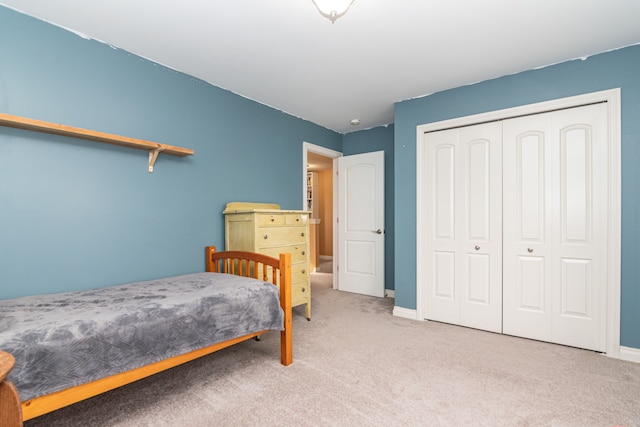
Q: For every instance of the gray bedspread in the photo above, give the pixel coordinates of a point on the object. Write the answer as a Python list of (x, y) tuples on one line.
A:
[(67, 339)]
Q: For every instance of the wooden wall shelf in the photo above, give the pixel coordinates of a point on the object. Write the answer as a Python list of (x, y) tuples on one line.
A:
[(154, 148)]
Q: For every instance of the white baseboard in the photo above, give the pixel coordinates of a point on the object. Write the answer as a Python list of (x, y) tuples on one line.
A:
[(389, 293), (630, 354), (405, 313)]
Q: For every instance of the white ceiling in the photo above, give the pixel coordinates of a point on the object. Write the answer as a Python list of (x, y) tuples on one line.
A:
[(284, 54)]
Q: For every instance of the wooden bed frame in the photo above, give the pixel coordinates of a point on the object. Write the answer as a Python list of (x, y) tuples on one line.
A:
[(246, 264), (10, 413)]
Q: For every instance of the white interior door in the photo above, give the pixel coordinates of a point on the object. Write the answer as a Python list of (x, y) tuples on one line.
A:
[(464, 226), (555, 218), (360, 223)]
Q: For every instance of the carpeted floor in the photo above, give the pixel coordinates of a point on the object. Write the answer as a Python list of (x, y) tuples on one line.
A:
[(357, 365)]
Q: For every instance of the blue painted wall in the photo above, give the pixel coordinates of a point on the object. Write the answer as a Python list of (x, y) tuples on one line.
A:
[(79, 214), (620, 68), (367, 141)]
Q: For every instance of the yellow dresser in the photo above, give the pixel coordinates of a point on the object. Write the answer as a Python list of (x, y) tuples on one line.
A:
[(266, 229)]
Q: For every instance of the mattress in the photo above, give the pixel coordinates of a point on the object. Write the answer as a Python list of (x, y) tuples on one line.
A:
[(67, 339)]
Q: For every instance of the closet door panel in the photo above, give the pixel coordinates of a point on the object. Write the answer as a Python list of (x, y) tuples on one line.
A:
[(478, 279), (444, 189), (444, 275), (581, 240), (480, 217), (478, 194), (530, 188), (555, 211), (442, 296), (478, 224), (531, 290), (576, 299), (576, 170), (463, 245), (526, 190)]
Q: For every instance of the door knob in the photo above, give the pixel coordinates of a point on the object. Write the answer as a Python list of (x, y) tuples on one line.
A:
[(378, 231)]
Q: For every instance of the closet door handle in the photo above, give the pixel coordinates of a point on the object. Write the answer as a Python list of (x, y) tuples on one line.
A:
[(477, 248), (378, 231), (529, 250)]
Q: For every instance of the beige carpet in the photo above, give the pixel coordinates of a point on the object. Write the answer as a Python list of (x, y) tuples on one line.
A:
[(357, 365)]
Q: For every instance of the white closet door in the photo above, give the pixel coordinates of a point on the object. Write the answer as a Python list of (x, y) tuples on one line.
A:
[(555, 215), (464, 226), (527, 226), (442, 295)]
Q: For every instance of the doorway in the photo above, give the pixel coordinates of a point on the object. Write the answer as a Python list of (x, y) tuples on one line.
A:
[(319, 198), (356, 185), (611, 101), (516, 238)]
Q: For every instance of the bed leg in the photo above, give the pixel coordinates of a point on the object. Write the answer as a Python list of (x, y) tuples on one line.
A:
[(286, 351), (10, 408)]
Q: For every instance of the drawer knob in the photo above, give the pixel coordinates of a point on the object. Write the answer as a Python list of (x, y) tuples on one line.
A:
[(303, 289), (272, 219), (302, 234), (304, 271), (302, 252), (266, 236)]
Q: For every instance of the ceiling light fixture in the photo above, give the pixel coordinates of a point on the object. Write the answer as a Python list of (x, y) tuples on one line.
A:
[(333, 9)]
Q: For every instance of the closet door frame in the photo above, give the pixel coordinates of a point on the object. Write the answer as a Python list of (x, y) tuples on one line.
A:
[(612, 98)]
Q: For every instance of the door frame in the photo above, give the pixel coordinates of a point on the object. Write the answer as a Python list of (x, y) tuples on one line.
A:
[(612, 98), (327, 152)]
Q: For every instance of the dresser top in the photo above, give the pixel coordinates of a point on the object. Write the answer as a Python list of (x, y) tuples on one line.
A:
[(248, 207)]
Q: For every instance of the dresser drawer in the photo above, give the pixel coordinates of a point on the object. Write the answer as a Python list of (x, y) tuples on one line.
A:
[(276, 220), (265, 220), (300, 272), (298, 252), (300, 293), (275, 236), (296, 219)]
